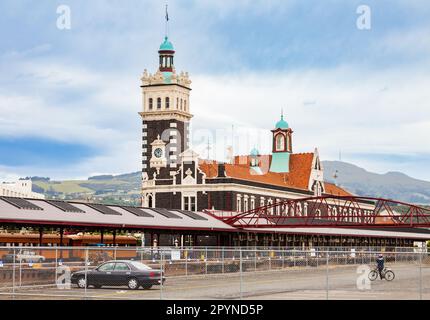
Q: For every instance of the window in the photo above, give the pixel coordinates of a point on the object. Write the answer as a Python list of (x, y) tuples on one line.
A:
[(167, 102), (193, 203), (158, 103), (140, 265), (107, 267), (181, 104), (245, 204), (280, 142), (239, 203), (150, 104), (185, 105), (120, 266), (190, 203), (177, 103), (269, 203)]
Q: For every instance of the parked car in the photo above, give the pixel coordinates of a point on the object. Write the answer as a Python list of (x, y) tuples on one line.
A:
[(133, 274), (25, 256)]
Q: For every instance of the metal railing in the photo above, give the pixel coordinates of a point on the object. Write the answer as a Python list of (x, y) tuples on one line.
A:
[(210, 273)]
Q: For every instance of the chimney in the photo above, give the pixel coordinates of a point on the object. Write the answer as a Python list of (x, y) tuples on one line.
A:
[(221, 170)]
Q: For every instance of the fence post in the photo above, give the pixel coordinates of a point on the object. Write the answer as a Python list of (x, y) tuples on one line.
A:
[(270, 260), (223, 259), (56, 265), (186, 262), (20, 272), (327, 284), (294, 257), (86, 272), (206, 260), (13, 273), (283, 258), (161, 273), (240, 268), (421, 276)]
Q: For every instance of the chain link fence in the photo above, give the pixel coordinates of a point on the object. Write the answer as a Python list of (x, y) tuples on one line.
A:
[(211, 273)]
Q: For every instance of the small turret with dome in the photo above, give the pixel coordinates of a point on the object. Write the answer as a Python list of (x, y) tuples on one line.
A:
[(255, 162), (166, 73), (282, 124), (166, 45), (167, 53), (282, 146)]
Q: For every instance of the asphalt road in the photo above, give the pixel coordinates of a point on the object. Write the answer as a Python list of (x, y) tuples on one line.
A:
[(292, 283)]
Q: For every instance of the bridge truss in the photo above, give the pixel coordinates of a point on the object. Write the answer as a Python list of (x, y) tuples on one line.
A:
[(333, 211)]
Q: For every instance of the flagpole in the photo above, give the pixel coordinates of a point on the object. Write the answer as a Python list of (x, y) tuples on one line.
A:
[(167, 21)]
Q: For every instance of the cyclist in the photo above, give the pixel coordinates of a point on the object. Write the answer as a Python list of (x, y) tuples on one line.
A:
[(380, 262)]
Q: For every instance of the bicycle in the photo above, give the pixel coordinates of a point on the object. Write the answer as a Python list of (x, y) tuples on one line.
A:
[(387, 274)]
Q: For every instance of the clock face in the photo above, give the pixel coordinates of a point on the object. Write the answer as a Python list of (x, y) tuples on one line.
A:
[(158, 153)]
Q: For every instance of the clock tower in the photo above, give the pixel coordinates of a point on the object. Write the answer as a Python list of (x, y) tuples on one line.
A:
[(165, 121)]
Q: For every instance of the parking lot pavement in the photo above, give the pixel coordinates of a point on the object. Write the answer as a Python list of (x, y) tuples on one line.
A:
[(295, 284)]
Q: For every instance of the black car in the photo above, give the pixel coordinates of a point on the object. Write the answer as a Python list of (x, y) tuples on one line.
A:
[(129, 273)]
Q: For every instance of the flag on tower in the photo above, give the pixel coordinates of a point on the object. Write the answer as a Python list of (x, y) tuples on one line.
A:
[(167, 14)]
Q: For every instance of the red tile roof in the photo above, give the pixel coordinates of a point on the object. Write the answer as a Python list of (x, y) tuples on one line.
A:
[(297, 178), (332, 189)]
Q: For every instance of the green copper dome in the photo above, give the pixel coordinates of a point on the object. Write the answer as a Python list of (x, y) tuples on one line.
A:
[(166, 45), (282, 124)]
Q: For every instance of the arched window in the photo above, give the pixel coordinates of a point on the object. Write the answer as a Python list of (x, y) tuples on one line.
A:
[(280, 142), (185, 105), (181, 104), (167, 102), (177, 103), (158, 103), (150, 103)]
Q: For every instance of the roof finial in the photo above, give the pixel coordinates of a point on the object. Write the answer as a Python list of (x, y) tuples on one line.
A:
[(167, 21), (282, 113)]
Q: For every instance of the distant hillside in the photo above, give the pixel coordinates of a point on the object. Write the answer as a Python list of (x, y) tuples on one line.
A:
[(125, 188), (391, 185), (120, 189)]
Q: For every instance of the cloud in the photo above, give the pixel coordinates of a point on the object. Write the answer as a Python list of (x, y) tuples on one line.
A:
[(351, 113), (364, 93)]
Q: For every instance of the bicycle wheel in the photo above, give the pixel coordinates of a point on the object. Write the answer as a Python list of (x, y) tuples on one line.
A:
[(373, 275), (389, 275)]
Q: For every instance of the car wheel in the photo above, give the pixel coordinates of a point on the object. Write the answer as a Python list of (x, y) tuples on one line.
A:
[(82, 282), (147, 286), (40, 260), (133, 284)]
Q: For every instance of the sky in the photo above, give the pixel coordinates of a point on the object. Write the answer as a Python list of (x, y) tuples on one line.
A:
[(69, 98)]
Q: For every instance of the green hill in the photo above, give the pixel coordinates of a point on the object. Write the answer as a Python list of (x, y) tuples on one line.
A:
[(120, 189)]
